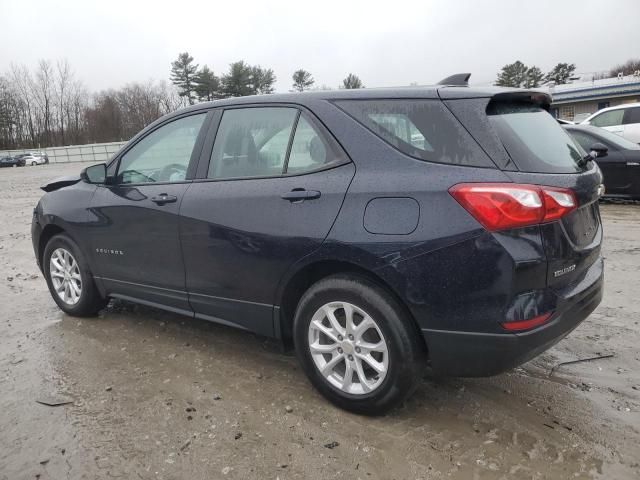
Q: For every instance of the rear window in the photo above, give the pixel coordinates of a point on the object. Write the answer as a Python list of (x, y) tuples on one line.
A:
[(423, 129), (533, 138)]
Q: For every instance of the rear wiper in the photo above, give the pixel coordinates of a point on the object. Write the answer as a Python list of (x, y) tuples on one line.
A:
[(582, 163)]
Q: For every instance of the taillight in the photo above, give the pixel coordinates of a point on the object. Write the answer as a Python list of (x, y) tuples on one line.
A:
[(500, 206), (520, 325)]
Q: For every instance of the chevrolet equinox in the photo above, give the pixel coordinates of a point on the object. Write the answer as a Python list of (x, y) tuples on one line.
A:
[(378, 231)]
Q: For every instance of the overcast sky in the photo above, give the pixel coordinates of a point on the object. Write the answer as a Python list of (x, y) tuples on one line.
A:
[(111, 42)]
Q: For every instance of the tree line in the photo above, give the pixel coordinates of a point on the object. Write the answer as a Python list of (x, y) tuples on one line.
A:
[(519, 75), (49, 106), (195, 83)]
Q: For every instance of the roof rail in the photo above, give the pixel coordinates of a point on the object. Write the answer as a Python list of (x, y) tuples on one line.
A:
[(457, 79)]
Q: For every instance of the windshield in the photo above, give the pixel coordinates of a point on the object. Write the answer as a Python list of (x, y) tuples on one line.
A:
[(534, 139)]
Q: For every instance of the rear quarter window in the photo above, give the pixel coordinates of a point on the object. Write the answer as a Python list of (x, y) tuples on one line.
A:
[(422, 129)]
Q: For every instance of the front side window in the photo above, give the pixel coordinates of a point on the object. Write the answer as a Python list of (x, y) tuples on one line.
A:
[(423, 129), (252, 142), (163, 155), (608, 119)]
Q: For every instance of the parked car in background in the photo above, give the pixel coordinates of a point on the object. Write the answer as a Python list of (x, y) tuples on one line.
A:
[(34, 158), (580, 117), (377, 230), (564, 122), (11, 162), (623, 120), (620, 164)]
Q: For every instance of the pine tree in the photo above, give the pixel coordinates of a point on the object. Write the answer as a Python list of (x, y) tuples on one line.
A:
[(561, 73), (512, 75), (238, 81), (302, 80), (206, 85), (262, 79), (183, 73), (352, 81), (533, 78)]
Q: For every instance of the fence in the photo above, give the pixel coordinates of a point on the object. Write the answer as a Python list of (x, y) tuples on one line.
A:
[(96, 152)]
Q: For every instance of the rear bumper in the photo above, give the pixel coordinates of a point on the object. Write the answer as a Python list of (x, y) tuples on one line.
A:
[(470, 354)]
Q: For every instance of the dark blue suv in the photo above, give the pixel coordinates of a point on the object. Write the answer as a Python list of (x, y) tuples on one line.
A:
[(379, 231)]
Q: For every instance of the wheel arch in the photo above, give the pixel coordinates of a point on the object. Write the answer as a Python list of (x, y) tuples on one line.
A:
[(48, 232), (300, 281)]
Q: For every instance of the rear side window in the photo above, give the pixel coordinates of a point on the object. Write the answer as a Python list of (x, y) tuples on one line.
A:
[(608, 119), (252, 142), (533, 138), (423, 129), (632, 115), (271, 141)]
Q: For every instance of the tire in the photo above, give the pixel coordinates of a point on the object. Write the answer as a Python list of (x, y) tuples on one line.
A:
[(33, 164), (89, 301), (405, 350)]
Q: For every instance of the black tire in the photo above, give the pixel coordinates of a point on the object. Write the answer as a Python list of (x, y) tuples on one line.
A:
[(406, 350), (90, 301)]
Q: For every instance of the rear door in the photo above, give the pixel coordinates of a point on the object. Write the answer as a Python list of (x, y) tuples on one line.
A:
[(546, 154), (532, 148), (268, 190)]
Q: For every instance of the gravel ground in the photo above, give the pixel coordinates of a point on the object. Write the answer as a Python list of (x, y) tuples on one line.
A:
[(156, 395)]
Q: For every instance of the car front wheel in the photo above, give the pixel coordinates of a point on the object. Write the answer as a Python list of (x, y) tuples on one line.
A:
[(68, 277), (357, 345)]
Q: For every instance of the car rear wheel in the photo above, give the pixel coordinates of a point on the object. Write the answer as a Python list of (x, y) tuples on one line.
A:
[(357, 345), (68, 277)]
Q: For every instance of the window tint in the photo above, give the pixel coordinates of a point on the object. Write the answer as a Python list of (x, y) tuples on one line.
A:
[(163, 155), (252, 142), (311, 149), (608, 119), (632, 115), (534, 139), (424, 129)]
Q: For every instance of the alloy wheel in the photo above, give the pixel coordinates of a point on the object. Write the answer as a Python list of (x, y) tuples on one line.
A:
[(348, 348), (65, 276)]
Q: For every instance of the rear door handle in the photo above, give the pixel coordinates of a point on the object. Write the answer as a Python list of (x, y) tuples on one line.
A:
[(633, 164), (300, 195), (163, 198)]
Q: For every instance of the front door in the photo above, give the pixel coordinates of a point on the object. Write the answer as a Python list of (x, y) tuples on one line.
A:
[(135, 239), (273, 187)]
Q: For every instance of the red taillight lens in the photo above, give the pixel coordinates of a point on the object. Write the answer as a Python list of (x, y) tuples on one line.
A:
[(500, 206), (526, 324)]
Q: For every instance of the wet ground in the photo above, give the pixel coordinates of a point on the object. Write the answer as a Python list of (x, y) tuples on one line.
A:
[(158, 396)]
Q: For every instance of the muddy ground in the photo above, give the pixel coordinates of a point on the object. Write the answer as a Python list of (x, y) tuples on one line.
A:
[(158, 396)]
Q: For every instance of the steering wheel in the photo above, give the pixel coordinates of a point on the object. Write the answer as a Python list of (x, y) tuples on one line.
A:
[(171, 170)]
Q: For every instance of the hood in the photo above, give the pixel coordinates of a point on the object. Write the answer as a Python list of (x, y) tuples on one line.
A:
[(60, 183)]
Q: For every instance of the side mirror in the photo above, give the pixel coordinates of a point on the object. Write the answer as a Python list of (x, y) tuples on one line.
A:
[(96, 174), (598, 150)]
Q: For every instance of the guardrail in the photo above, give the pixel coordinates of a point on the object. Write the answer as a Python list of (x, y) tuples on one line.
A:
[(95, 152)]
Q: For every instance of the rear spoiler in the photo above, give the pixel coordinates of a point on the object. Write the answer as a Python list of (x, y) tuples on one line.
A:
[(532, 97)]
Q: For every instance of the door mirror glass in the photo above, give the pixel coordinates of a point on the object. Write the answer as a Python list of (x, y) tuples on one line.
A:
[(96, 174), (598, 150)]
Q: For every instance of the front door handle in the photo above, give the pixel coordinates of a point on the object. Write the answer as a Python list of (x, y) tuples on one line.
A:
[(300, 195), (163, 198), (633, 164)]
